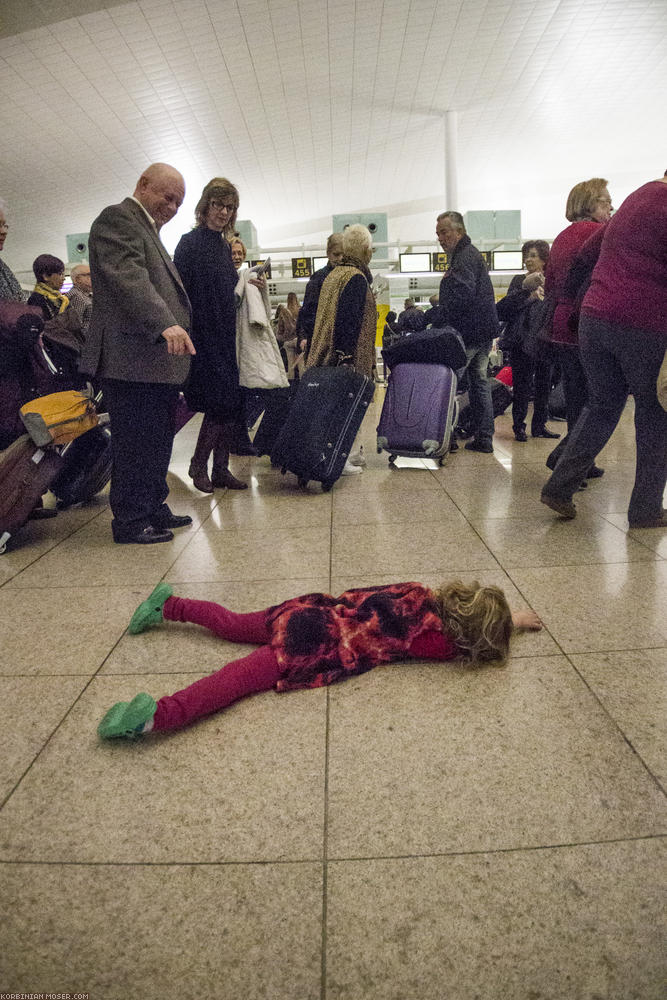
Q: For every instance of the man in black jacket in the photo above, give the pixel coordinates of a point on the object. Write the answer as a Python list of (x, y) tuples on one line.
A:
[(306, 321), (467, 303)]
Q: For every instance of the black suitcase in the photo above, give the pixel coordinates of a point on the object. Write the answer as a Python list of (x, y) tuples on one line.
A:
[(323, 421), (26, 472), (86, 468), (501, 397), (278, 403), (434, 346)]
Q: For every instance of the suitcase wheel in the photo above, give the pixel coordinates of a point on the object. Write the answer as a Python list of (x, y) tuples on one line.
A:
[(303, 483), (442, 460), (283, 470), (326, 485), (392, 459)]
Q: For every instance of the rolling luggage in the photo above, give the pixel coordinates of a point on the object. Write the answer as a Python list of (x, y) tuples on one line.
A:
[(86, 468), (323, 421), (278, 403), (501, 397), (435, 345), (26, 471), (419, 412)]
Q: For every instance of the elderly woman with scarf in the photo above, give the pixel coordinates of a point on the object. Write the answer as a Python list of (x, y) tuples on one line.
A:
[(346, 321)]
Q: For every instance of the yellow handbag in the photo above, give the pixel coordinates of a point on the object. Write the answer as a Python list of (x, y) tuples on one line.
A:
[(59, 417), (662, 383)]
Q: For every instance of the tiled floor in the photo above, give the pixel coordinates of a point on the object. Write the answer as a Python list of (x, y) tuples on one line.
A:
[(422, 832)]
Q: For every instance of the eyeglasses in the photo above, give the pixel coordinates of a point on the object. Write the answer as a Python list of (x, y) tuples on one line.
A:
[(221, 205)]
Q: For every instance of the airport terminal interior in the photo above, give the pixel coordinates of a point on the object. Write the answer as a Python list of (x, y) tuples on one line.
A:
[(423, 831)]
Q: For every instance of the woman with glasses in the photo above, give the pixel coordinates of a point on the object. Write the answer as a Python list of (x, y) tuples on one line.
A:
[(521, 310), (204, 261), (588, 207)]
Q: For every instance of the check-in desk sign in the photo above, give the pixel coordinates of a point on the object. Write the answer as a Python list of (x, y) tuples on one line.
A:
[(438, 261), (302, 267)]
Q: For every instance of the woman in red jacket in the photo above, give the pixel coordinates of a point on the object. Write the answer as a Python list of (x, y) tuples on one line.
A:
[(623, 336), (588, 206)]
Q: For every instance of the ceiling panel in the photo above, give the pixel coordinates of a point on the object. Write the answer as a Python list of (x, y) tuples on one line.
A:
[(315, 107)]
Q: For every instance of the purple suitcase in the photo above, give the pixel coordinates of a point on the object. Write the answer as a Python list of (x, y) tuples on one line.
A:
[(419, 412)]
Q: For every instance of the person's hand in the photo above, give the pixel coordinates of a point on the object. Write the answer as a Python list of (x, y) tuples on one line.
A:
[(538, 294), (303, 344), (258, 282), (527, 619), (178, 341), (533, 281)]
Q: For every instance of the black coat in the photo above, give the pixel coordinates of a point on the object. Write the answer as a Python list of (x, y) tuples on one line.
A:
[(204, 261), (466, 299)]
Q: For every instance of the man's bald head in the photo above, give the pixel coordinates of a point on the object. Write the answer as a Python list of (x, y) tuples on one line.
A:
[(161, 190)]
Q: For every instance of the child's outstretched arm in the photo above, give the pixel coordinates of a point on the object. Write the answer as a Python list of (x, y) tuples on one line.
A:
[(527, 620)]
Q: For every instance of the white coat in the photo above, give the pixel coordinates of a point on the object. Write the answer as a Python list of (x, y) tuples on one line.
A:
[(257, 351)]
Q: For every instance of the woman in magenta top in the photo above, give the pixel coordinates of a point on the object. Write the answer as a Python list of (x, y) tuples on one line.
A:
[(316, 640), (588, 206), (623, 339)]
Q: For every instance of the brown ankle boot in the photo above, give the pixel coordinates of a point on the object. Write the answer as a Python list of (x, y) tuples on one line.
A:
[(206, 442)]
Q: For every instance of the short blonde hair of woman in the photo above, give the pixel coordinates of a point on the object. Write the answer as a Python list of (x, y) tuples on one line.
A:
[(357, 242), (237, 239), (478, 619), (583, 197), (219, 187)]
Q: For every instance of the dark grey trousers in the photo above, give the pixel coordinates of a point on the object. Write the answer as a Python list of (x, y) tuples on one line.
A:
[(617, 360)]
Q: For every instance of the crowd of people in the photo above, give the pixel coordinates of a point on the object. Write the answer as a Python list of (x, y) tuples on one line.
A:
[(594, 305)]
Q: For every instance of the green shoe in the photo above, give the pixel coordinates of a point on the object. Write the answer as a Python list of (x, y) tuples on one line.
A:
[(127, 718), (149, 612)]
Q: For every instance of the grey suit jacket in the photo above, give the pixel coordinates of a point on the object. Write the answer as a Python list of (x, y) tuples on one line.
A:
[(137, 293)]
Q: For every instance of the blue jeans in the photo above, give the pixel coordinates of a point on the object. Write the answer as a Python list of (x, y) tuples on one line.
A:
[(618, 359), (479, 392)]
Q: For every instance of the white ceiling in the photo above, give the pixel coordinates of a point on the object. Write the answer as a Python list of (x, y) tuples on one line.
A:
[(315, 107)]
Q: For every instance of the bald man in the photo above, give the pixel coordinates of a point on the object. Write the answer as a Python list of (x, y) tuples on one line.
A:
[(138, 346)]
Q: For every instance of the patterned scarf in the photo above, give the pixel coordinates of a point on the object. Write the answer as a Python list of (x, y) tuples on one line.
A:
[(10, 290)]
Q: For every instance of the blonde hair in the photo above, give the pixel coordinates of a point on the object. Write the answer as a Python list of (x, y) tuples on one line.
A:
[(357, 242), (477, 618), (237, 239), (219, 187), (582, 199)]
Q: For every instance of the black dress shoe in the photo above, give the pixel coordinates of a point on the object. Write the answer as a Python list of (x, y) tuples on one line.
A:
[(147, 536), (172, 521), (241, 448), (520, 435), (542, 432)]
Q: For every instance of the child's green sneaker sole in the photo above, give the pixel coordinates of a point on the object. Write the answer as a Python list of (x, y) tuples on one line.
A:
[(127, 718), (149, 611)]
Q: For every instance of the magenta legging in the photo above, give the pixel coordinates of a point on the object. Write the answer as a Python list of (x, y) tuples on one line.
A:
[(249, 675)]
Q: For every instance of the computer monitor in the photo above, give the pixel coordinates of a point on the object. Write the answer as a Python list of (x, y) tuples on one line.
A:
[(319, 262), (507, 260), (411, 262)]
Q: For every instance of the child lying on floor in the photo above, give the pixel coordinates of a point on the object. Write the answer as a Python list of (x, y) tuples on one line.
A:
[(316, 639)]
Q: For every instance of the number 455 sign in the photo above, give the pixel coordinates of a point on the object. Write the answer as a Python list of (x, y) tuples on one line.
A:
[(302, 267)]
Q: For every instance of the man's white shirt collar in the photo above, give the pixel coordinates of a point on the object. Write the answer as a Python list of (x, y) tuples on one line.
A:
[(147, 214)]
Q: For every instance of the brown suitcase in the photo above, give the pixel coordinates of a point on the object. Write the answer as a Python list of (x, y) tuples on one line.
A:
[(26, 472)]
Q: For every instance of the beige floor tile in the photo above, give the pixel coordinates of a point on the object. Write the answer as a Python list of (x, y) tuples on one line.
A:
[(30, 709), (266, 509), (243, 785), (67, 630), (408, 550), (433, 758), (36, 538), (91, 558), (603, 607), (175, 647), (255, 555), (575, 922), (652, 538), (394, 508), (524, 643), (163, 933), (544, 539), (406, 481), (632, 686)]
